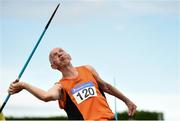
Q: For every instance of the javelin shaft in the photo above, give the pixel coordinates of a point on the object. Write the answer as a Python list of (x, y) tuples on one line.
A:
[(35, 47), (30, 56)]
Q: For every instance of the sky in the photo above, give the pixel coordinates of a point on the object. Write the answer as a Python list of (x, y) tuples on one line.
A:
[(134, 42)]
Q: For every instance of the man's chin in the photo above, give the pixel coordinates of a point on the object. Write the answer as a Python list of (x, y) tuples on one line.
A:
[(63, 65)]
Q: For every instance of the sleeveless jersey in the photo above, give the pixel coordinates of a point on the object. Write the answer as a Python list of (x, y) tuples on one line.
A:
[(83, 98)]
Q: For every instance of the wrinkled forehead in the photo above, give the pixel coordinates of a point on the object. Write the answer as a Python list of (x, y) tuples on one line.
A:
[(55, 50)]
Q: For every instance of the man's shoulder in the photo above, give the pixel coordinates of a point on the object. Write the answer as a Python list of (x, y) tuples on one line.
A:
[(88, 67)]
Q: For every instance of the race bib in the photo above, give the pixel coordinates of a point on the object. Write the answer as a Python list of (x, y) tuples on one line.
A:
[(84, 91)]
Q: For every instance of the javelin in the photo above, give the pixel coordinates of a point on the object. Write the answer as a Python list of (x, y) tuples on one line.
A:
[(30, 56)]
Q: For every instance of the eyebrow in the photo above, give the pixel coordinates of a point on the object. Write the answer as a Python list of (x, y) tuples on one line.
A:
[(61, 50), (54, 53)]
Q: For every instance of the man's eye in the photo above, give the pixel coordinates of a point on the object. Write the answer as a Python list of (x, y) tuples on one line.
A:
[(55, 54)]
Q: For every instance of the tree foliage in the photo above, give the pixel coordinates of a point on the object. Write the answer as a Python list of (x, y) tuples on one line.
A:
[(139, 115)]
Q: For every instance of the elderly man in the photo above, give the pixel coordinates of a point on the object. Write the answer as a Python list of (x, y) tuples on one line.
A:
[(80, 91)]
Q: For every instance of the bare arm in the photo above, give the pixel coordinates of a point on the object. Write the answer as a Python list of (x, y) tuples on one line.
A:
[(53, 93), (108, 88)]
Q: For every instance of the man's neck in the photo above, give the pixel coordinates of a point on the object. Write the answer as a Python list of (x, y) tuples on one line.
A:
[(69, 71)]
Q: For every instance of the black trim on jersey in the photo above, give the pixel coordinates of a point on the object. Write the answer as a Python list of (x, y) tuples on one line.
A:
[(101, 91), (72, 111)]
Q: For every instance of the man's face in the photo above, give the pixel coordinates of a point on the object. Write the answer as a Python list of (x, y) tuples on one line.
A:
[(59, 58)]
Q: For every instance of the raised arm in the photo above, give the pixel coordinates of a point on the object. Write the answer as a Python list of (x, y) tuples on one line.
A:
[(108, 88), (53, 93)]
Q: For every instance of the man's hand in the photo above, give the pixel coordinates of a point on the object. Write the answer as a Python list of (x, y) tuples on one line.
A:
[(15, 87), (131, 107)]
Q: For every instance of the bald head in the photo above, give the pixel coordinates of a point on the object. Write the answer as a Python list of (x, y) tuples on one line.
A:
[(54, 50), (58, 57)]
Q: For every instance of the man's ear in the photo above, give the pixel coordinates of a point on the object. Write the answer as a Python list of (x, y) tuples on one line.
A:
[(69, 56), (53, 66)]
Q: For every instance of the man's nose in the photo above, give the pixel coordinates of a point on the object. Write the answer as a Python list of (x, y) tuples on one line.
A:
[(60, 54)]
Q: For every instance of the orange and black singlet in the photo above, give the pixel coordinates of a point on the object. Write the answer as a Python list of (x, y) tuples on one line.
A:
[(83, 98)]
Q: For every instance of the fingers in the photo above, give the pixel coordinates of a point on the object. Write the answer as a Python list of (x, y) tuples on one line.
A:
[(132, 110), (14, 87), (11, 89)]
